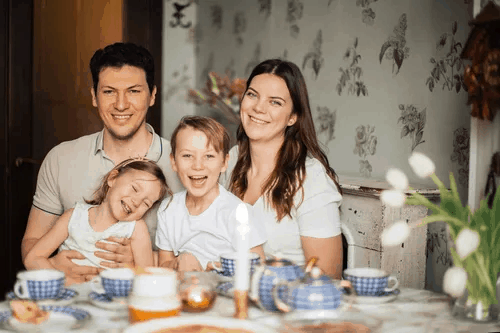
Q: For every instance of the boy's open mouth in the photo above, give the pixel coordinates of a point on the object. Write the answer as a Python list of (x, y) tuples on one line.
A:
[(198, 180)]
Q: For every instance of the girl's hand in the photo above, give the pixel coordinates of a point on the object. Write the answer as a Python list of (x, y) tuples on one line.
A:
[(187, 262), (119, 254)]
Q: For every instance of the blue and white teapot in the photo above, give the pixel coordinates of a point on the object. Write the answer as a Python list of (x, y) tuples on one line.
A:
[(267, 275), (315, 291)]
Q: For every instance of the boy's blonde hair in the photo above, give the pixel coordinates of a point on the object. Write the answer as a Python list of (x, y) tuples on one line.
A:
[(216, 133)]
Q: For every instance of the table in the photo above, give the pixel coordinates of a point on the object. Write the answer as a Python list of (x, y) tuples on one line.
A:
[(412, 311)]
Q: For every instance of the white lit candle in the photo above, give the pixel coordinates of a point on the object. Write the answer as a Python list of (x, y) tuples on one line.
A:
[(242, 275)]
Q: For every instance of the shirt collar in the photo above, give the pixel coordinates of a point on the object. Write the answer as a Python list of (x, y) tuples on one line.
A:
[(155, 149)]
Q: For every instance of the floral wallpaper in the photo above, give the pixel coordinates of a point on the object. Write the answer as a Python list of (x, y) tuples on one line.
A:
[(365, 145), (413, 123), (384, 77), (368, 13), (395, 49), (350, 76), (447, 68)]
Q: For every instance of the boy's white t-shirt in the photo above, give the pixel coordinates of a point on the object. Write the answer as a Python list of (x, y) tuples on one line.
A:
[(207, 235)]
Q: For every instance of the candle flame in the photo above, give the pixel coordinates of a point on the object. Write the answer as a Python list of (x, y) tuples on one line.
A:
[(242, 213)]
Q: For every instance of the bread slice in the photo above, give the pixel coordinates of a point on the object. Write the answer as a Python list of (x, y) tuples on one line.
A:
[(28, 312)]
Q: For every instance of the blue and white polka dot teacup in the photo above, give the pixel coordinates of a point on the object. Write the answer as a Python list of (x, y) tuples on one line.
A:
[(228, 263), (114, 282), (39, 284), (370, 281)]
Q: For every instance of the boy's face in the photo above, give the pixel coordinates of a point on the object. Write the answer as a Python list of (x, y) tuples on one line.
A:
[(198, 164), (123, 99)]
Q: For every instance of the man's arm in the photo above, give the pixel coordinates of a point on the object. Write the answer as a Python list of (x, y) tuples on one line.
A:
[(39, 223)]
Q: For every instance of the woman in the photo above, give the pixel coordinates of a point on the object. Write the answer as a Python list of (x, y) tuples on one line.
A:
[(279, 169)]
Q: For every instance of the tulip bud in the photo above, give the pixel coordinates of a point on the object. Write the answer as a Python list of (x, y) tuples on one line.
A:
[(395, 234), (393, 198), (421, 165), (397, 179), (467, 242), (454, 282)]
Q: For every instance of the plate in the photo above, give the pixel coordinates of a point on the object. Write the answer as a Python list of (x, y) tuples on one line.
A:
[(297, 319), (67, 297), (387, 297), (176, 322), (61, 319), (103, 301)]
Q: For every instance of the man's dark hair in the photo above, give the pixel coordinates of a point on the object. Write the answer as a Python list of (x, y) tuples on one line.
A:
[(122, 54)]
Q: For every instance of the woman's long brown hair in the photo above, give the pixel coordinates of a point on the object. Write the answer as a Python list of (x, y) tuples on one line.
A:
[(300, 141)]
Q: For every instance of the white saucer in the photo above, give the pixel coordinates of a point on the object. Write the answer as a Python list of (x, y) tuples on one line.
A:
[(369, 299), (104, 302), (67, 297), (61, 319)]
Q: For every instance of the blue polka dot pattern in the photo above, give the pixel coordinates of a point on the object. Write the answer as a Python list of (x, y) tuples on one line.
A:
[(117, 287), (368, 286)]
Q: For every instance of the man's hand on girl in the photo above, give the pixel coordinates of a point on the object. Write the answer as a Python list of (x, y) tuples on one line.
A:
[(117, 254)]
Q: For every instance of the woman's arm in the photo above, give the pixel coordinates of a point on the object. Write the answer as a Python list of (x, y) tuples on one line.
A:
[(38, 256), (141, 245), (329, 252), (320, 237)]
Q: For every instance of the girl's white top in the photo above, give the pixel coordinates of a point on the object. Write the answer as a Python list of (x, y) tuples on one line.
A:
[(317, 216), (82, 237), (207, 235)]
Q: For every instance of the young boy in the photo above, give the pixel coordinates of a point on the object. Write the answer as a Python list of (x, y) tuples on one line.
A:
[(201, 219)]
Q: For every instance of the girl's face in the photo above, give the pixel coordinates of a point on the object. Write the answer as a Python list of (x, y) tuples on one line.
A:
[(198, 164), (266, 108), (131, 194)]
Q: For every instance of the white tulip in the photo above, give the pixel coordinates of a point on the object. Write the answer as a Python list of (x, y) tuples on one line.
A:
[(454, 282), (397, 179), (421, 165), (393, 198), (396, 234), (467, 242)]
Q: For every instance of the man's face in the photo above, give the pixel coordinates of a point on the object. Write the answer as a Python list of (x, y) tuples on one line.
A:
[(123, 99)]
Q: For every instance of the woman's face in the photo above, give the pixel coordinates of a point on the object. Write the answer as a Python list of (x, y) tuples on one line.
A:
[(266, 108)]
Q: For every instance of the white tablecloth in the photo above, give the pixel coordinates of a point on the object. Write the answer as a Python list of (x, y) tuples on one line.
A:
[(412, 311)]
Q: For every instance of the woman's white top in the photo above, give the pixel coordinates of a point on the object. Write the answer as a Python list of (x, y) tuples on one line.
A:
[(317, 216), (82, 237), (207, 235)]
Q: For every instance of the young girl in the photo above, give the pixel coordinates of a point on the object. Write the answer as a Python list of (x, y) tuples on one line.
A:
[(201, 219), (126, 193)]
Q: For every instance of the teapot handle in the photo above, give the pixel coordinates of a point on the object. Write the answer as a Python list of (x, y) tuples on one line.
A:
[(282, 306), (310, 264)]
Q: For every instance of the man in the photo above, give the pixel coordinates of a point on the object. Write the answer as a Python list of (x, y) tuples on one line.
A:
[(123, 90)]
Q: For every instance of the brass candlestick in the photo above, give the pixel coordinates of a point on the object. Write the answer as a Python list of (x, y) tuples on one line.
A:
[(241, 304)]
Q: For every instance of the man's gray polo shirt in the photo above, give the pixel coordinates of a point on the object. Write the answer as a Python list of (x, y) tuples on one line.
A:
[(74, 169)]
